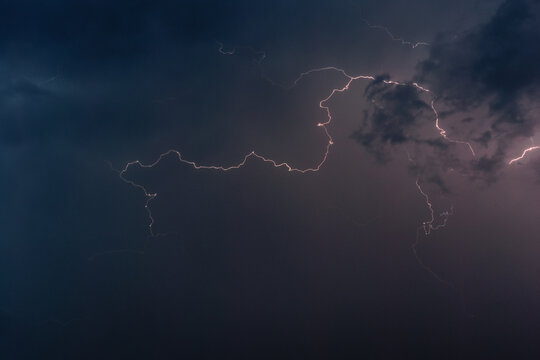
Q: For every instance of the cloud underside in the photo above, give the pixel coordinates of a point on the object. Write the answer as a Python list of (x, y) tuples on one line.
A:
[(484, 84)]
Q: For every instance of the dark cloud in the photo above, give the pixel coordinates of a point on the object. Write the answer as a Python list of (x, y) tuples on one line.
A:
[(483, 81), (399, 119), (496, 62), (394, 111)]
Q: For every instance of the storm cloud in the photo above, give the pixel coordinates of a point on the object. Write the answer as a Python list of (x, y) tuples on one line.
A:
[(483, 82), (261, 262)]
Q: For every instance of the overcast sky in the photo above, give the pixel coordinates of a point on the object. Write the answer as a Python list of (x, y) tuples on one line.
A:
[(261, 262)]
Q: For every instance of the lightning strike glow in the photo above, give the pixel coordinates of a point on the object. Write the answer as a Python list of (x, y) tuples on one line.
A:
[(428, 226), (394, 38), (223, 52), (525, 152), (443, 131)]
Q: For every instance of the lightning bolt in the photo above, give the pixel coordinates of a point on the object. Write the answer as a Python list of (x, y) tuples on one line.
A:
[(260, 54), (388, 32), (222, 51), (428, 226), (442, 131), (394, 38), (525, 152)]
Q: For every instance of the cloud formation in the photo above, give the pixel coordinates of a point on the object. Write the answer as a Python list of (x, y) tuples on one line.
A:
[(485, 85)]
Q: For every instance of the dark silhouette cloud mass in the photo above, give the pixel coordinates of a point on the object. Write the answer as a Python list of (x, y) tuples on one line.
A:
[(484, 83)]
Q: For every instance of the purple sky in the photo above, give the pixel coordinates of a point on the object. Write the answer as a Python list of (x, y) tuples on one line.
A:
[(261, 262)]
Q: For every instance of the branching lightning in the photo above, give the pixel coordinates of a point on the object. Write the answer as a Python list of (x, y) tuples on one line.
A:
[(412, 44), (394, 38), (443, 131), (428, 226)]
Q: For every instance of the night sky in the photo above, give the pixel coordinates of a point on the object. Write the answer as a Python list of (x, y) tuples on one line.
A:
[(417, 237)]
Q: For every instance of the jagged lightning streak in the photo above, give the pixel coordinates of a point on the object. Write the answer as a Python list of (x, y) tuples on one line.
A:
[(350, 79), (388, 32), (261, 54), (428, 225), (324, 125), (442, 131), (151, 196), (525, 152), (394, 38), (222, 51)]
